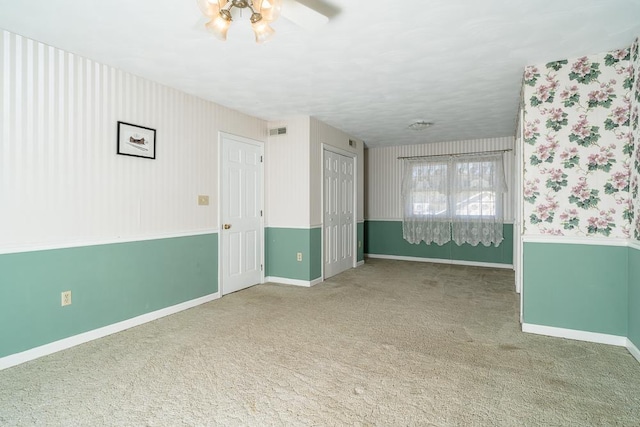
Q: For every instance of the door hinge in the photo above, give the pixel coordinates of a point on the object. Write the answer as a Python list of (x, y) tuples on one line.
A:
[(260, 159), (260, 267), (260, 213)]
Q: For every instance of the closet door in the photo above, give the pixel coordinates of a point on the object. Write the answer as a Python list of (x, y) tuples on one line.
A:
[(338, 227)]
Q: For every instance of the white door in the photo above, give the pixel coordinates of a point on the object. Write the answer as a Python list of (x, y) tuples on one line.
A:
[(338, 213), (241, 214)]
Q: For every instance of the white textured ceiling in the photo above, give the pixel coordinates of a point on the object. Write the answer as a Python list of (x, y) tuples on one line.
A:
[(376, 67)]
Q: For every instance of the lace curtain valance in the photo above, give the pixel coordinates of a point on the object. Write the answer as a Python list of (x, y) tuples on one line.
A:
[(455, 198)]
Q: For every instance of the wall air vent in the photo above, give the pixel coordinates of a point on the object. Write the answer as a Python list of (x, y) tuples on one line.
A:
[(278, 131)]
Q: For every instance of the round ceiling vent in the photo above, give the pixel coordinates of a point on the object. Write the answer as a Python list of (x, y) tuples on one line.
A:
[(420, 125)]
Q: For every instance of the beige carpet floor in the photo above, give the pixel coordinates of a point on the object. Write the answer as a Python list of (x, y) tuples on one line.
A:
[(391, 343)]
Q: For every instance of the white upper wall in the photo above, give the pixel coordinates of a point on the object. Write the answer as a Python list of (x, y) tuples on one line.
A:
[(287, 175), (322, 133), (61, 181), (294, 171)]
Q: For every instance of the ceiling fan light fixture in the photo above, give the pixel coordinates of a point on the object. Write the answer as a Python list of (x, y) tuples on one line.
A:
[(262, 13), (220, 25), (270, 9), (420, 125), (209, 8), (263, 31)]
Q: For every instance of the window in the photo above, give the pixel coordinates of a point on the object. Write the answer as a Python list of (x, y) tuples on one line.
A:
[(473, 197), (429, 195), (458, 196)]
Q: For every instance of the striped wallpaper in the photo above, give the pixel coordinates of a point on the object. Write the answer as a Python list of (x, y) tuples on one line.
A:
[(322, 133), (61, 182), (294, 171), (287, 174), (383, 173)]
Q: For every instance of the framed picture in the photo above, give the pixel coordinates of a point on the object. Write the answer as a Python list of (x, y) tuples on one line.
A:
[(137, 141)]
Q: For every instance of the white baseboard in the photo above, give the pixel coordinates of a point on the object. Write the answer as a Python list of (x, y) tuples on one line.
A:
[(63, 344), (359, 263), (294, 282), (441, 261), (633, 350), (575, 334)]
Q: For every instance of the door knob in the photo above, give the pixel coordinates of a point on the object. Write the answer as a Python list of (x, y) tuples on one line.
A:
[(227, 226)]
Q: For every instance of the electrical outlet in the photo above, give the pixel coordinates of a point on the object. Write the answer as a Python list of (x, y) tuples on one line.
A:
[(203, 200), (359, 244), (299, 257), (65, 298)]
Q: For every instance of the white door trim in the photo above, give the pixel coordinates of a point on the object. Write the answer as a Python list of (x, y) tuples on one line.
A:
[(326, 147), (518, 259), (338, 151), (260, 144)]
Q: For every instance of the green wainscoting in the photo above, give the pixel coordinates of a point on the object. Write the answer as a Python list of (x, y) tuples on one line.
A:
[(109, 283), (634, 297), (385, 238), (283, 244), (360, 242), (572, 286)]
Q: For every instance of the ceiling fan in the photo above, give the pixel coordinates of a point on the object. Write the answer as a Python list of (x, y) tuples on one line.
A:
[(263, 12)]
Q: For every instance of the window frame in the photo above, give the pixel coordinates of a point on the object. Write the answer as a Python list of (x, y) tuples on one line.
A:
[(451, 203)]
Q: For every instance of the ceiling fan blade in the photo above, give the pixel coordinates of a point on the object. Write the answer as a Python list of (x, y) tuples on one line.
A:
[(303, 15)]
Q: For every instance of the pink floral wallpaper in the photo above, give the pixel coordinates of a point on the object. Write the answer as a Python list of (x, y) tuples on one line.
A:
[(578, 145), (635, 136)]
